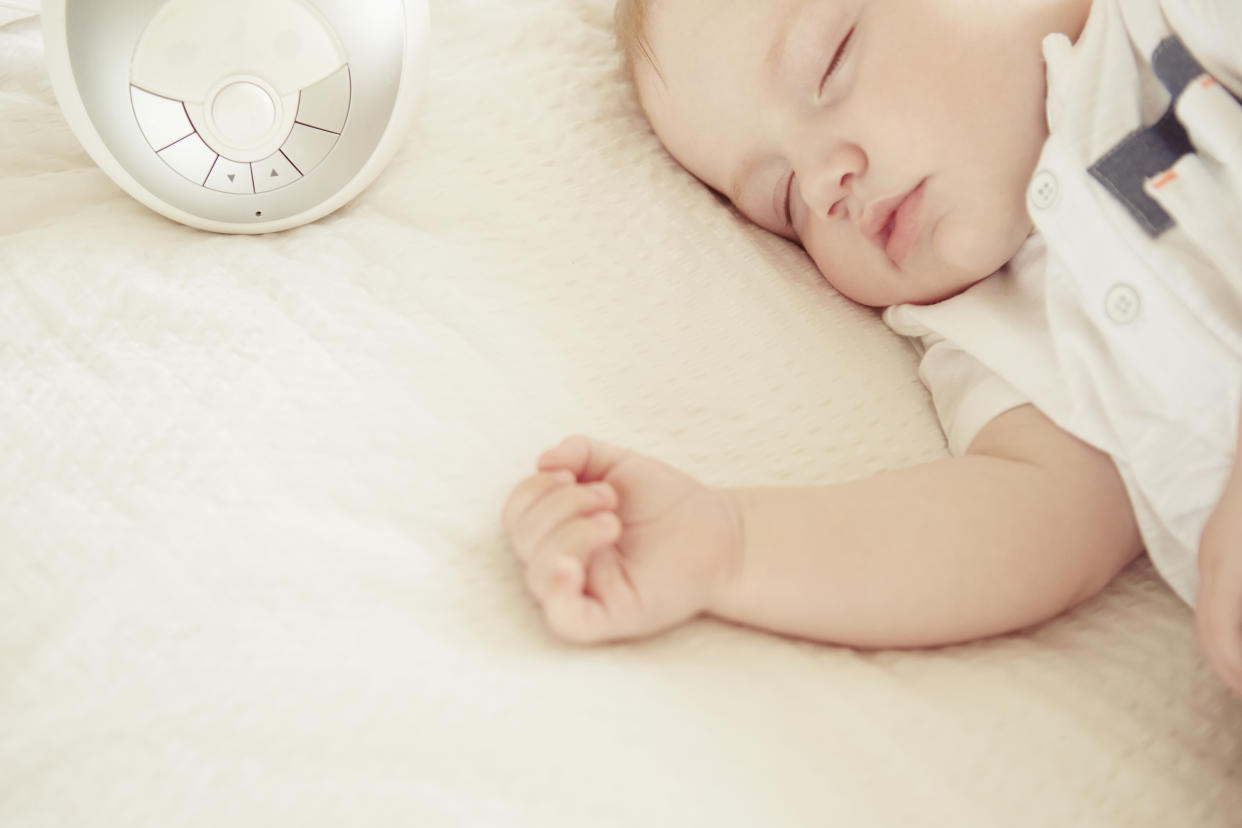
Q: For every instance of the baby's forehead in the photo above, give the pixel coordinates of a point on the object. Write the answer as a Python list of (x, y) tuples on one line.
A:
[(715, 23), (717, 34)]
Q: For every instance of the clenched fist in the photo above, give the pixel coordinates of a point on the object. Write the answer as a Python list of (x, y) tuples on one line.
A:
[(617, 545)]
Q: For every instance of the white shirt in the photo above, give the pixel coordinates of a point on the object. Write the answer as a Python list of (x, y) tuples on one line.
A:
[(1121, 319)]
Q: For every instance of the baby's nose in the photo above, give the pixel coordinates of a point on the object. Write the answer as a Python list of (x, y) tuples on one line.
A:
[(833, 200), (826, 183)]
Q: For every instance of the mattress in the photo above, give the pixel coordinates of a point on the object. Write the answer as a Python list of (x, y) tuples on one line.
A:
[(251, 564)]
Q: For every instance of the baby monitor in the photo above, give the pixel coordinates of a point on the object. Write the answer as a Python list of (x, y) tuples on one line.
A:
[(238, 116)]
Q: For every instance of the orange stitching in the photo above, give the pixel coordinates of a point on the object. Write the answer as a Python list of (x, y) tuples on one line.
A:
[(1167, 177)]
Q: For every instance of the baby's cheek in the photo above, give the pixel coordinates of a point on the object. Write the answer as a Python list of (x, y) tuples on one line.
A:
[(977, 243)]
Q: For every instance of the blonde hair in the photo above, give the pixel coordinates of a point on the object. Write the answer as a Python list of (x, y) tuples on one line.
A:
[(631, 25)]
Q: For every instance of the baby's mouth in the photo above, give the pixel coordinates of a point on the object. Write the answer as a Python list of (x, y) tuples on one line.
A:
[(893, 225), (880, 219), (886, 232), (905, 224)]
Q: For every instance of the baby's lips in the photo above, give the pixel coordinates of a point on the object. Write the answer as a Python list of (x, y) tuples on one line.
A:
[(877, 216)]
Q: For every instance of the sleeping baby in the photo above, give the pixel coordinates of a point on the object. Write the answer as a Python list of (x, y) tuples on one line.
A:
[(1046, 196)]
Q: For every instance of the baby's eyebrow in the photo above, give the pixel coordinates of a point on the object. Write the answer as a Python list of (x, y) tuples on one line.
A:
[(780, 43)]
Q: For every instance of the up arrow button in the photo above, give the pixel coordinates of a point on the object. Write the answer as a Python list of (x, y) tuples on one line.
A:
[(274, 172)]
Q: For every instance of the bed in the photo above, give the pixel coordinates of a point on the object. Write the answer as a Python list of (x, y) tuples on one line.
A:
[(251, 566)]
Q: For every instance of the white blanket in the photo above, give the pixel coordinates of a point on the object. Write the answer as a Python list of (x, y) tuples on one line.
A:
[(251, 569)]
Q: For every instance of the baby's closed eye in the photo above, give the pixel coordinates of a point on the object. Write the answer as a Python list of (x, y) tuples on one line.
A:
[(838, 58)]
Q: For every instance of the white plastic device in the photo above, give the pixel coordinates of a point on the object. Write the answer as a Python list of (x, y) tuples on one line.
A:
[(238, 116)]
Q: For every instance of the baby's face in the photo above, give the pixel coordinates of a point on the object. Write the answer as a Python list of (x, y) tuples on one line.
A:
[(893, 138)]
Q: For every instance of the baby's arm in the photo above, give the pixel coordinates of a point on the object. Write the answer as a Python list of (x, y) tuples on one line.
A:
[(1219, 604), (1028, 524)]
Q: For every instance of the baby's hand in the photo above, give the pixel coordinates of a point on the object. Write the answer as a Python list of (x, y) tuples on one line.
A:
[(617, 545)]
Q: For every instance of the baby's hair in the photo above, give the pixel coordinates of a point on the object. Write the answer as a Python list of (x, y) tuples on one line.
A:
[(631, 23)]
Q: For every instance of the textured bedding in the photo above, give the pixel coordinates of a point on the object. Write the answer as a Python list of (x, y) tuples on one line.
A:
[(251, 568)]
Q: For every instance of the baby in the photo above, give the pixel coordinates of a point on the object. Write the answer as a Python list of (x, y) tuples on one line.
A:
[(1045, 194)]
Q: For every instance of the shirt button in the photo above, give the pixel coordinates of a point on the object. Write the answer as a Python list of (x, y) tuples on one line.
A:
[(1122, 304), (1044, 190)]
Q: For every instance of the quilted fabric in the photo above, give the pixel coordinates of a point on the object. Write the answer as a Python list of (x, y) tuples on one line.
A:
[(251, 569)]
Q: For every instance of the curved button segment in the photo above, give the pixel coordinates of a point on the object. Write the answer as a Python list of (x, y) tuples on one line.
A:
[(307, 146), (274, 172), (231, 177), (162, 120), (191, 158), (326, 104)]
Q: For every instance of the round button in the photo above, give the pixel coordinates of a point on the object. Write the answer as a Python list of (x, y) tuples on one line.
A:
[(1044, 190), (1123, 304), (243, 113)]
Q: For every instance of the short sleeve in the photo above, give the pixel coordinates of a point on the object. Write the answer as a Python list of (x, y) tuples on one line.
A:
[(967, 394)]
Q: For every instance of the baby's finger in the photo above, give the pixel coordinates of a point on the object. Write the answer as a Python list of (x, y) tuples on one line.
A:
[(566, 552), (579, 619), (587, 458), (554, 508), (528, 492), (603, 612)]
